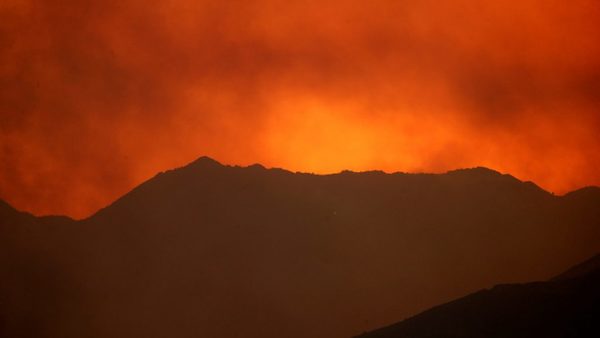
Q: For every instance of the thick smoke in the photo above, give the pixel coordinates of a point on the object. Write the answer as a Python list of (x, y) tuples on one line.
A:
[(97, 96)]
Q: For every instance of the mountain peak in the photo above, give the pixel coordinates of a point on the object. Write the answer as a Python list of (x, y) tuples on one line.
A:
[(205, 161), (256, 166), (476, 170)]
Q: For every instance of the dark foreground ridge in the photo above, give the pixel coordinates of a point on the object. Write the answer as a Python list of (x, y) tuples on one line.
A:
[(563, 307), (209, 250)]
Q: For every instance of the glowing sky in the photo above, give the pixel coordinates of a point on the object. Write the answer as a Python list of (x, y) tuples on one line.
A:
[(97, 96)]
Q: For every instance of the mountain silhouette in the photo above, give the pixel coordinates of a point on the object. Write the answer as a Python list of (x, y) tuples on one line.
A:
[(209, 250), (580, 270), (568, 306)]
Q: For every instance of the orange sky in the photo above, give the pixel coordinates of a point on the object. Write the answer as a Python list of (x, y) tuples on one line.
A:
[(98, 96)]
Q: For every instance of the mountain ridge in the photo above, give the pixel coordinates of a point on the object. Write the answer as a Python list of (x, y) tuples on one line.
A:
[(228, 251), (590, 265), (564, 306), (208, 163)]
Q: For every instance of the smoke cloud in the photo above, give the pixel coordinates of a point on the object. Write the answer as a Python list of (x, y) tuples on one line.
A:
[(98, 96)]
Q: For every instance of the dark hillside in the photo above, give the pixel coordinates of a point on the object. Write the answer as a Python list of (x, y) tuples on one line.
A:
[(219, 251)]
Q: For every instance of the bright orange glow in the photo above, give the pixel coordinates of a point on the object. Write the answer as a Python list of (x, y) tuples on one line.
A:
[(98, 96)]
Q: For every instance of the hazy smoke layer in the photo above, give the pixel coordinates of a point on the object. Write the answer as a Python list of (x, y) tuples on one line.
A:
[(97, 96)]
